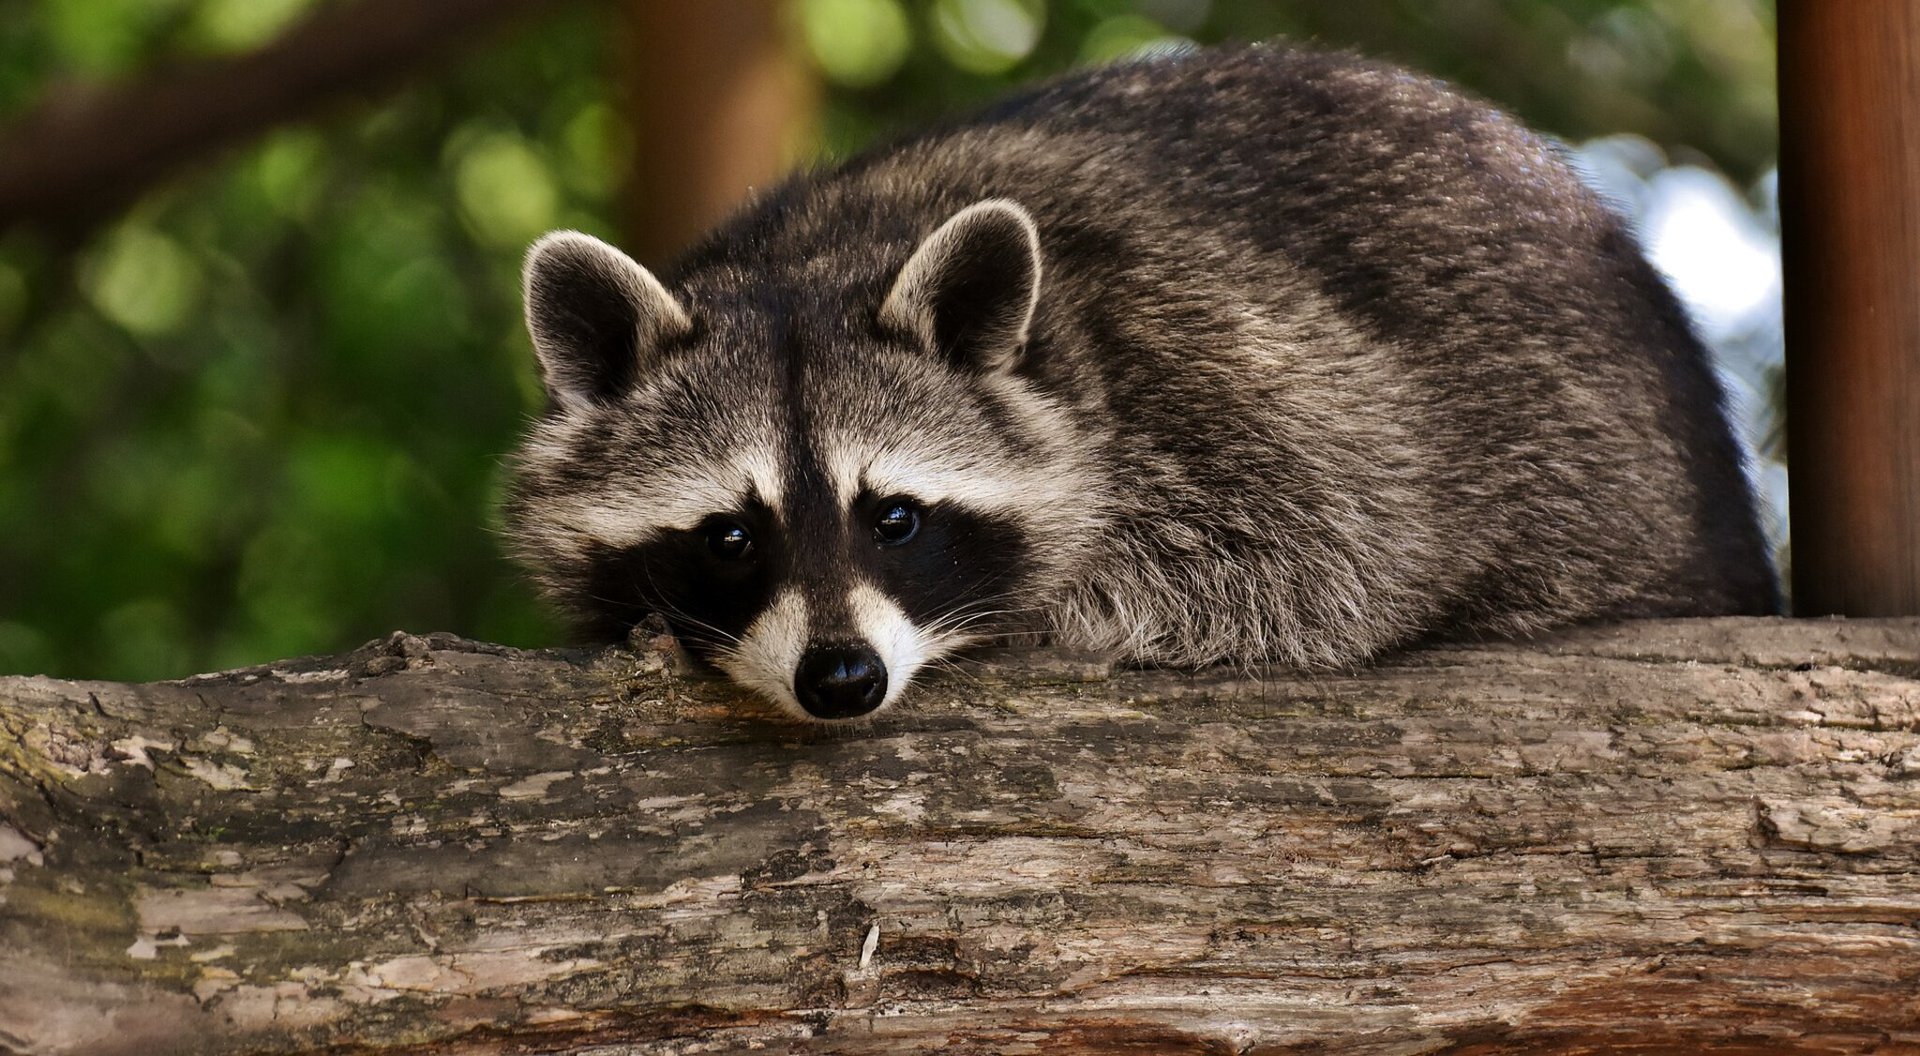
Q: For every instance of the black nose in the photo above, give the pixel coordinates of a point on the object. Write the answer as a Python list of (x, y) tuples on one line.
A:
[(840, 681)]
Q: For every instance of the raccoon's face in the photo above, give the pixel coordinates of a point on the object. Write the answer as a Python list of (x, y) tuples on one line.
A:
[(820, 490)]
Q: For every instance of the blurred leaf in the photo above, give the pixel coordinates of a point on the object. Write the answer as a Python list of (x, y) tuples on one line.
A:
[(71, 369), (1121, 36), (987, 36), (239, 25), (506, 191), (597, 149), (858, 43), (289, 168), (144, 281), (102, 37)]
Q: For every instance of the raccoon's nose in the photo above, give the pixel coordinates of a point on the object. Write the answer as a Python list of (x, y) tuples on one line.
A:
[(840, 681)]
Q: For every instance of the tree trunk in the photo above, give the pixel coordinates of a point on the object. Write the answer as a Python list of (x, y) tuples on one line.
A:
[(1662, 837)]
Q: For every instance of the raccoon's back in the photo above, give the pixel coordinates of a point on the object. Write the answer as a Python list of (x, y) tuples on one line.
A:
[(1369, 361), (1515, 313)]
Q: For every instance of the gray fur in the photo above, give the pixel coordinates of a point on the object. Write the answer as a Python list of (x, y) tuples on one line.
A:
[(1323, 359)]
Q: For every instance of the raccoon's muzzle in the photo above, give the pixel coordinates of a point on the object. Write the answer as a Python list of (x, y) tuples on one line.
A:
[(840, 681)]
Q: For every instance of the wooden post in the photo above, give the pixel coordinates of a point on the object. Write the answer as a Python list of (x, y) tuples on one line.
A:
[(1850, 199), (718, 99)]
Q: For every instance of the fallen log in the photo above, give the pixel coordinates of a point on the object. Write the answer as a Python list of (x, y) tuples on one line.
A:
[(1660, 837)]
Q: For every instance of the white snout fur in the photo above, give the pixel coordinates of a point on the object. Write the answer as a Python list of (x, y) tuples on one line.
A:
[(901, 645), (767, 655)]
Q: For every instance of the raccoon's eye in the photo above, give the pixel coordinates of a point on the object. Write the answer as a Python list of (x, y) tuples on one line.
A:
[(729, 540), (898, 522)]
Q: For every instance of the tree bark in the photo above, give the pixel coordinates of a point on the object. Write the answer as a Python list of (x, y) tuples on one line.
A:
[(1661, 837)]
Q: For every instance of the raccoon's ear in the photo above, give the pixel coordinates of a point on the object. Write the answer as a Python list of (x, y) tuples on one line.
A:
[(970, 289), (595, 316)]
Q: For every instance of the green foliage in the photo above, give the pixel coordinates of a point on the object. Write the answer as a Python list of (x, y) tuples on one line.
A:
[(857, 43), (263, 413)]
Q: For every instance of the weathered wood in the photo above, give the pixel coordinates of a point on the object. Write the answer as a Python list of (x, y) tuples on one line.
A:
[(1667, 837)]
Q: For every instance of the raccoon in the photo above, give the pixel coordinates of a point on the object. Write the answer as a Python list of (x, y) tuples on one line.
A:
[(1257, 355)]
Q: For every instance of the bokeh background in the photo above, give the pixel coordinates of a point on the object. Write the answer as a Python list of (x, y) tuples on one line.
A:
[(256, 382)]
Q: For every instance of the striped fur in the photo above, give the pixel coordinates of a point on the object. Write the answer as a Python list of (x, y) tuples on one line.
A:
[(1245, 355)]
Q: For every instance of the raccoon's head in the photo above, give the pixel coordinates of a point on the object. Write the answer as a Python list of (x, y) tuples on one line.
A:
[(821, 486)]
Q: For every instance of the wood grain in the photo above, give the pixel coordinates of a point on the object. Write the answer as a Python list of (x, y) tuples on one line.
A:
[(1664, 837)]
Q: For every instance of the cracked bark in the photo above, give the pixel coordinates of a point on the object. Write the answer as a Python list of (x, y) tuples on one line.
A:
[(1670, 836)]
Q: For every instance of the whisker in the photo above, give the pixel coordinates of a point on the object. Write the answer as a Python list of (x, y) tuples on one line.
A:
[(675, 615), (963, 619)]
